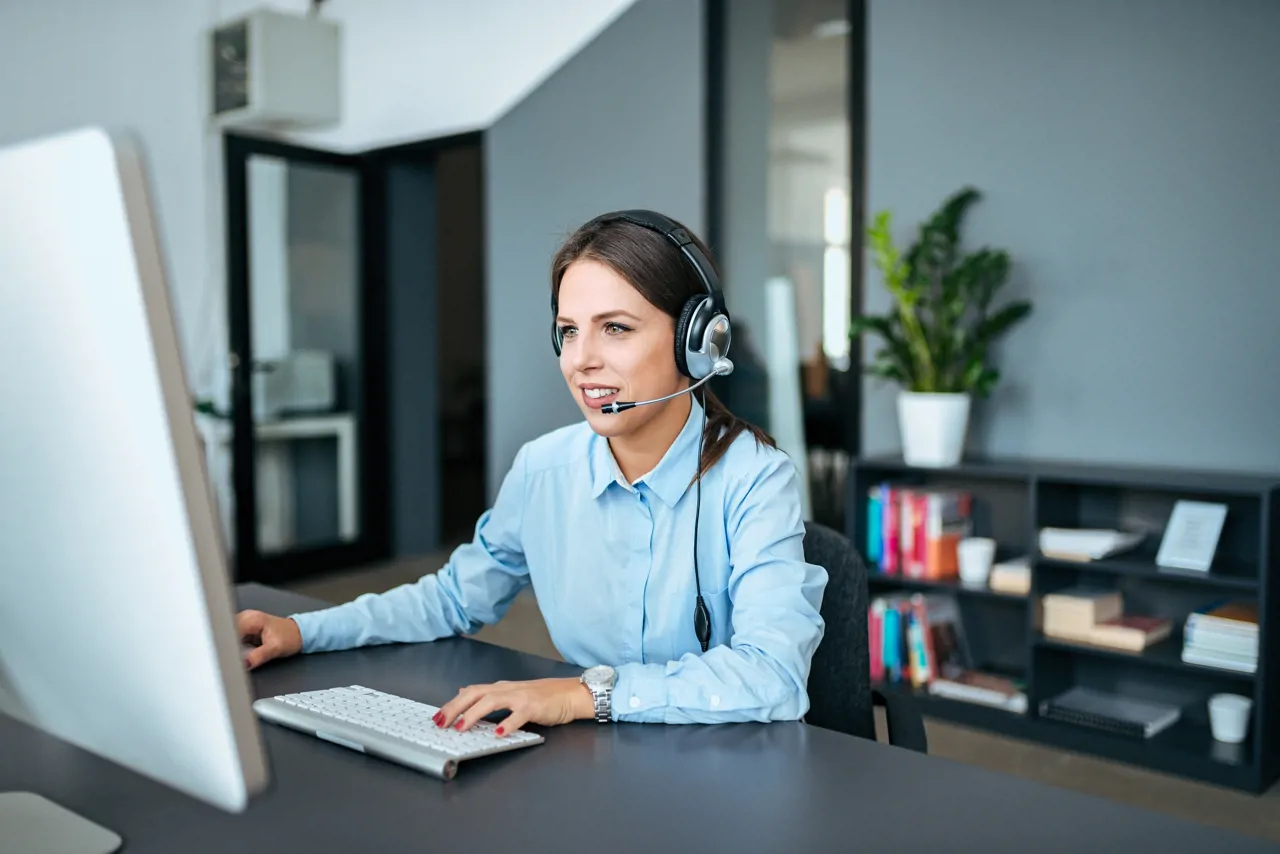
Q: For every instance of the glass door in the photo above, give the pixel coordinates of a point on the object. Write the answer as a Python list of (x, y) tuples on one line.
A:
[(304, 386)]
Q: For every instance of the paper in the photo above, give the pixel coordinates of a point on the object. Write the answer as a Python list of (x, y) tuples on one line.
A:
[(1191, 537)]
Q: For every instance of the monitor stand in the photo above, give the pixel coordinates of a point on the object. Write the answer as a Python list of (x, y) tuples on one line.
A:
[(36, 825)]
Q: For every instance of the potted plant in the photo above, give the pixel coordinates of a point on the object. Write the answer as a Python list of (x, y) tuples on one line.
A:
[(938, 333)]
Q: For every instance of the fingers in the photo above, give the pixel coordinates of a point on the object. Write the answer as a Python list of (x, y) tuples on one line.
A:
[(449, 711), (250, 623), (472, 703), (487, 704), (259, 655), (512, 722)]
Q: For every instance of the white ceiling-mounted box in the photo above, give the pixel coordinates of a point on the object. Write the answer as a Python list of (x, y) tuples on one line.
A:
[(276, 71)]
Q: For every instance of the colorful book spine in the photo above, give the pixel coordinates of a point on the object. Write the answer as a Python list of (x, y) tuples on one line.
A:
[(891, 516), (913, 533), (875, 628), (875, 527), (891, 644)]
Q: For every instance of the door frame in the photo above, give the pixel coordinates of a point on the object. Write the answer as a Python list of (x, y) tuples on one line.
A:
[(373, 541)]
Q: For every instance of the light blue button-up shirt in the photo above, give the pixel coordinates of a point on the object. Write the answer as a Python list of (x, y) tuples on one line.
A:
[(611, 565)]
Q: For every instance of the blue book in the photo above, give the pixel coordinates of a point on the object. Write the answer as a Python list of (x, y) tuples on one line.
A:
[(892, 644), (875, 528)]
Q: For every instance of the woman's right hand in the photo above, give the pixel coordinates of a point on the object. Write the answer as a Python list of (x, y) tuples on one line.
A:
[(270, 637)]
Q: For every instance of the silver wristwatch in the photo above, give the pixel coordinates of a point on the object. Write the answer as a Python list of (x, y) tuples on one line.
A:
[(599, 680)]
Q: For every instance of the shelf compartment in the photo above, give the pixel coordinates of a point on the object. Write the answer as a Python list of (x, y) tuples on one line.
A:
[(1133, 507), (1233, 575), (947, 708), (878, 584), (1166, 653), (1187, 748)]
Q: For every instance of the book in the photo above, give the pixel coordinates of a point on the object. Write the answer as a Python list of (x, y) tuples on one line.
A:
[(987, 689), (1073, 613), (931, 524), (875, 526), (1204, 657), (875, 646), (1131, 632), (1085, 544), (1234, 616), (1011, 576), (1114, 713), (916, 638)]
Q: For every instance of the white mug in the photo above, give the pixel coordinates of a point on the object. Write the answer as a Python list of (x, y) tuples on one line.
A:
[(1229, 717), (976, 554)]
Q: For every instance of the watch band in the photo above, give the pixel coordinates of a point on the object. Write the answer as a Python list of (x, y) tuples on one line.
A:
[(604, 704)]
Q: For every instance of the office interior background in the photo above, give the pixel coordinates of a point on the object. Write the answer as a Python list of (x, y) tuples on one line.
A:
[(364, 306)]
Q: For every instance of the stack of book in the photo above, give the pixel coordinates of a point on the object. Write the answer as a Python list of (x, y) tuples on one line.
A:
[(914, 638), (915, 532), (918, 640), (1084, 615), (1086, 544), (1224, 635)]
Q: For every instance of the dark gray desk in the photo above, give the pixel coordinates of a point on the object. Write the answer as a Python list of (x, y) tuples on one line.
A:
[(619, 788)]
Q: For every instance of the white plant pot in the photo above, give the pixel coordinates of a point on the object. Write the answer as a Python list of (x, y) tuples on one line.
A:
[(933, 427)]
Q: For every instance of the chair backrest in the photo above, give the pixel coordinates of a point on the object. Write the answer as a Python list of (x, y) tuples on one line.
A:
[(840, 675)]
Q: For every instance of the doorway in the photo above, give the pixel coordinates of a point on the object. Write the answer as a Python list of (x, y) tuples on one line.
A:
[(357, 353), (434, 202), (307, 365)]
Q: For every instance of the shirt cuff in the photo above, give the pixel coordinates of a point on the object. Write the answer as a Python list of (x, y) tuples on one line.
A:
[(640, 693), (311, 625)]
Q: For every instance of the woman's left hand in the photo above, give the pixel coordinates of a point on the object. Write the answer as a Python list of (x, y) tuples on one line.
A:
[(549, 702)]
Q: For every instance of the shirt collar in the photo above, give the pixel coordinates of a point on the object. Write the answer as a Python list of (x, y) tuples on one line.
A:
[(669, 478)]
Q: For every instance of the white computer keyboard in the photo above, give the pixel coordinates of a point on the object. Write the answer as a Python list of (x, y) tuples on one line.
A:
[(389, 727)]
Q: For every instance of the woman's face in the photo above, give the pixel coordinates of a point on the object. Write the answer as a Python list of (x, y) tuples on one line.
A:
[(616, 346)]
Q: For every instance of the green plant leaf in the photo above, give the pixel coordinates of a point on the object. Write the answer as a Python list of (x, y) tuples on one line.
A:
[(937, 335), (895, 350), (999, 323)]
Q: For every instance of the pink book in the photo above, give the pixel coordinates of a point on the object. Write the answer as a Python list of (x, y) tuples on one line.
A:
[(892, 518)]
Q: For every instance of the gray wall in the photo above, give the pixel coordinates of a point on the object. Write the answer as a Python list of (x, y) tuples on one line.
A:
[(619, 125), (1128, 156), (412, 254)]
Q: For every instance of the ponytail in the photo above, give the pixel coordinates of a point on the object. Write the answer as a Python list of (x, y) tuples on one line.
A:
[(721, 429)]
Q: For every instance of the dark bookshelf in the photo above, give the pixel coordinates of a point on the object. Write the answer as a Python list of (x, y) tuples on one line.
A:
[(880, 583), (1013, 499), (1165, 653)]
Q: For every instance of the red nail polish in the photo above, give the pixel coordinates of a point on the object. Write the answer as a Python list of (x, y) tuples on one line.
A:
[(438, 718), (458, 725), (499, 731)]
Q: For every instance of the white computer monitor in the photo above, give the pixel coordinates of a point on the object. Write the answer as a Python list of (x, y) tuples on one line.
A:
[(117, 619)]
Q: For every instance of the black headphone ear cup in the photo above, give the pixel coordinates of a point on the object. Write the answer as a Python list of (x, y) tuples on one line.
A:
[(682, 333), (555, 338)]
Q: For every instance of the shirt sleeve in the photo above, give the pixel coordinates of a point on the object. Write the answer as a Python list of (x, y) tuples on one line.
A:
[(475, 588), (762, 674)]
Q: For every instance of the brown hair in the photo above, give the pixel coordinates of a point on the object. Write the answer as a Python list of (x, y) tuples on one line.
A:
[(664, 277)]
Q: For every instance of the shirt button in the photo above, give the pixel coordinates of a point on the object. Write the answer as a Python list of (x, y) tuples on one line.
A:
[(635, 702), (715, 701)]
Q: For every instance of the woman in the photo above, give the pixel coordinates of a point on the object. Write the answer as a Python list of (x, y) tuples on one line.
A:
[(600, 518)]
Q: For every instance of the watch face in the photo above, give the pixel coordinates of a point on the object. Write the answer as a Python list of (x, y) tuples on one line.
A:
[(600, 676)]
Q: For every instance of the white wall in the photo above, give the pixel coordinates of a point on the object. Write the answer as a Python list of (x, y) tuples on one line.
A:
[(136, 64), (413, 69)]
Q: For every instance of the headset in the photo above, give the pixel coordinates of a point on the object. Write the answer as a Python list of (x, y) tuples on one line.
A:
[(703, 336), (703, 331)]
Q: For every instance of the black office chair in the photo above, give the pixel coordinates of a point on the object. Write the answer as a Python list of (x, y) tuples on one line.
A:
[(840, 693)]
